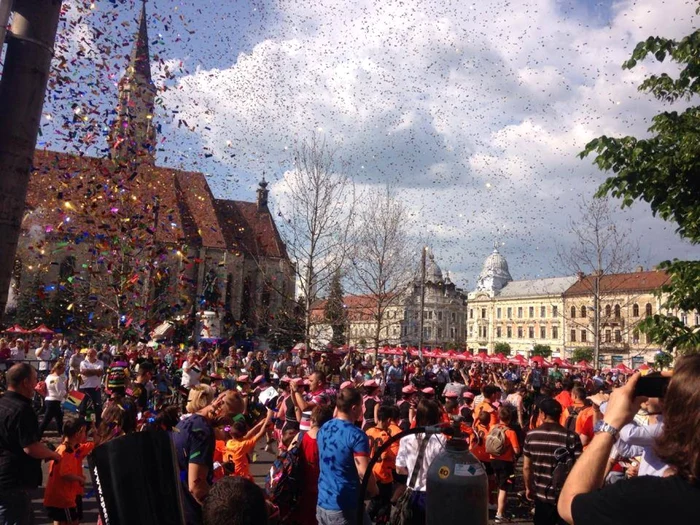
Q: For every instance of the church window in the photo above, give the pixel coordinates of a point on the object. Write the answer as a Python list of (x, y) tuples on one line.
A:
[(573, 312), (648, 309)]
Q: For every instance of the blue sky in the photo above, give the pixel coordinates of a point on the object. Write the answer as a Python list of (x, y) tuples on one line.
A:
[(473, 111)]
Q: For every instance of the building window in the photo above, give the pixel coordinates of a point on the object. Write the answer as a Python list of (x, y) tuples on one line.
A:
[(483, 313), (543, 332), (617, 311), (439, 316), (635, 337), (573, 336), (583, 311), (618, 336), (454, 317), (647, 339), (430, 315), (555, 332), (498, 313), (509, 332), (543, 311), (439, 333), (608, 310), (471, 331), (573, 312), (532, 312), (453, 333), (648, 309), (498, 332), (555, 311), (608, 336), (684, 318), (584, 335), (520, 312), (471, 313), (635, 310), (509, 311), (520, 332), (426, 333)]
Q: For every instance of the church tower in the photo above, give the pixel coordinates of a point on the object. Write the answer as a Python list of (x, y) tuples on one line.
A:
[(132, 139)]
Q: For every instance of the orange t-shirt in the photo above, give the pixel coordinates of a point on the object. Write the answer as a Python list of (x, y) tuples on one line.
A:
[(488, 407), (382, 469), (237, 451), (584, 421), (512, 444), (477, 443), (393, 430), (564, 398), (61, 493)]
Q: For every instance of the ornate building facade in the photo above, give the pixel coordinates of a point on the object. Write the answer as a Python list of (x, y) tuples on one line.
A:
[(444, 315), (134, 242)]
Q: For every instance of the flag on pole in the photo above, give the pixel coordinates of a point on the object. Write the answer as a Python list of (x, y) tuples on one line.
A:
[(73, 401)]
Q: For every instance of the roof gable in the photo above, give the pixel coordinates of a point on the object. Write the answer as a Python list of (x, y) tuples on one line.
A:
[(647, 281)]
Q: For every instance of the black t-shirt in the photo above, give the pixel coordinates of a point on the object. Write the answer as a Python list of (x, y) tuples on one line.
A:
[(140, 395), (19, 428), (635, 501), (194, 443)]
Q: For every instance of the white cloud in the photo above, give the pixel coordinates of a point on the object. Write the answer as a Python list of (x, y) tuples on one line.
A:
[(476, 111)]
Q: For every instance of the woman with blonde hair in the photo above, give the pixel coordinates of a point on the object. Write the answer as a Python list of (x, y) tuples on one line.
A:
[(199, 397), (55, 394)]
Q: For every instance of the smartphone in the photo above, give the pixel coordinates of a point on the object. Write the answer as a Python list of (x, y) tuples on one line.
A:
[(651, 386)]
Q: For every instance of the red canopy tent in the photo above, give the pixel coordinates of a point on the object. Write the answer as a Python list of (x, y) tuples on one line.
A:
[(518, 359), (481, 357), (16, 329), (498, 359), (583, 365), (644, 367), (541, 360), (623, 368), (42, 329), (561, 363)]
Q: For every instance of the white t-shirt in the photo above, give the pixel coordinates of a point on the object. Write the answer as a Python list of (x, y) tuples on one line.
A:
[(190, 375), (55, 387), (17, 353), (408, 454), (45, 355), (91, 381)]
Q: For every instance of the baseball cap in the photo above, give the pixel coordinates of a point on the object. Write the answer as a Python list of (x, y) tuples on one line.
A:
[(468, 395), (346, 384), (409, 389), (371, 383), (429, 391)]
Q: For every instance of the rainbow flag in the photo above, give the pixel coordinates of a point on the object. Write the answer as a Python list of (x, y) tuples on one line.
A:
[(72, 402)]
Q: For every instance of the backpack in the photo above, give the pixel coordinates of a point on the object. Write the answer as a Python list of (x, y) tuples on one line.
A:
[(496, 440), (41, 389), (283, 482), (570, 423), (565, 458)]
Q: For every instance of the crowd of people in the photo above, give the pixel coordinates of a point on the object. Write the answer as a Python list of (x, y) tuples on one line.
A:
[(325, 415)]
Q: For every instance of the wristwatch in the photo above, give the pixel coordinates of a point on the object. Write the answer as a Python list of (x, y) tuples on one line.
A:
[(608, 428)]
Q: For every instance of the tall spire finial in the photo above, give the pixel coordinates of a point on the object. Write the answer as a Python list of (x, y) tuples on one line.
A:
[(140, 60)]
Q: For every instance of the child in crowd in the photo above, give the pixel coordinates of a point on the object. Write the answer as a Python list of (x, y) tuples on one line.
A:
[(503, 465), (63, 497), (243, 443)]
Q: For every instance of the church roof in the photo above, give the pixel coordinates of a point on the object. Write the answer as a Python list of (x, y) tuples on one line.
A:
[(78, 195), (537, 287), (645, 281), (139, 61)]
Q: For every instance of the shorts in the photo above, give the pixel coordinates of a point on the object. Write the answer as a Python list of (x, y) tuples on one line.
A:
[(72, 514), (488, 468), (503, 470)]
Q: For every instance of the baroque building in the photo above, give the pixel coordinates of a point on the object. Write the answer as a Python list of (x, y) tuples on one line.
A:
[(130, 243), (444, 315)]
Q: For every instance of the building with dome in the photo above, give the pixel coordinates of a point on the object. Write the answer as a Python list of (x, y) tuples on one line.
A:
[(444, 314)]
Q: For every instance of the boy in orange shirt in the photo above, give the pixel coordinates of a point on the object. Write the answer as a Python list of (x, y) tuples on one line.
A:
[(243, 443), (477, 446), (379, 508), (491, 394), (582, 414), (63, 496), (503, 465)]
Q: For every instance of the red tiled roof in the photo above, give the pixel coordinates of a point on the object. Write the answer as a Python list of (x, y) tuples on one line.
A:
[(359, 308), (621, 282), (194, 190), (247, 228)]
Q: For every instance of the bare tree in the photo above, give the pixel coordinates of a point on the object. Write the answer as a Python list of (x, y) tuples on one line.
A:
[(600, 248), (317, 219), (383, 258)]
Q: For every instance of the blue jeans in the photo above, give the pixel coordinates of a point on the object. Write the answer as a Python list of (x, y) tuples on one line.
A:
[(16, 508), (340, 517)]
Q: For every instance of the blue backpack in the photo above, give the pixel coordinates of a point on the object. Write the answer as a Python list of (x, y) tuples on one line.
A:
[(283, 482)]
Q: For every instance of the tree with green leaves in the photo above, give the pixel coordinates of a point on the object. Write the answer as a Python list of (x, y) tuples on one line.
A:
[(582, 354), (502, 348), (662, 170), (335, 311), (541, 350)]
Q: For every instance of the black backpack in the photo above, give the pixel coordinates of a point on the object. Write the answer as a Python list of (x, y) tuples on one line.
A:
[(565, 458), (570, 423)]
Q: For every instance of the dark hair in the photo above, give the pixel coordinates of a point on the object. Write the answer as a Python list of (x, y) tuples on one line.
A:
[(384, 413), (551, 408), (146, 367), (321, 414), (166, 419), (18, 373), (545, 391), (239, 429), (427, 413), (578, 392), (490, 390), (234, 501), (451, 404), (567, 384), (505, 414), (320, 376), (679, 443), (73, 426), (484, 417), (348, 398)]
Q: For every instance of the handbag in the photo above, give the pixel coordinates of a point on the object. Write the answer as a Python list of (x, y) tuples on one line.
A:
[(402, 511)]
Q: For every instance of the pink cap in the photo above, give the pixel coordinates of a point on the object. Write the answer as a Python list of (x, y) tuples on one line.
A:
[(451, 395), (285, 379), (259, 379), (468, 395), (428, 391), (243, 379), (409, 389), (371, 383), (347, 384)]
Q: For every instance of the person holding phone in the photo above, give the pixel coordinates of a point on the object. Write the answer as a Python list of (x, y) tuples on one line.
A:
[(673, 498)]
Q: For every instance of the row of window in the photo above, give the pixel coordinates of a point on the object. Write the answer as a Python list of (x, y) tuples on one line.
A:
[(616, 309), (428, 314), (428, 332), (609, 336), (543, 332), (520, 312)]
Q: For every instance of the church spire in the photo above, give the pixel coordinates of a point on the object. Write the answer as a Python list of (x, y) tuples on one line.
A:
[(263, 194), (132, 138)]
